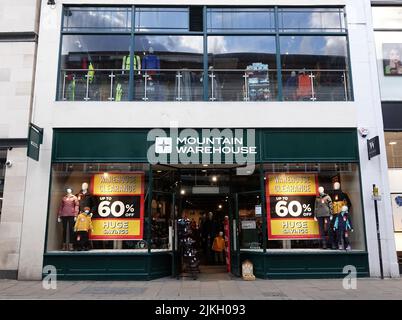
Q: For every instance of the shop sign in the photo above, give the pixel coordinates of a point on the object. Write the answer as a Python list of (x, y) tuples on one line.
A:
[(290, 204), (35, 139), (205, 146), (248, 224), (120, 212), (373, 147)]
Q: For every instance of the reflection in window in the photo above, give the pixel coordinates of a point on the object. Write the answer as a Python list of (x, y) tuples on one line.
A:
[(97, 19), (115, 216), (393, 142), (171, 68), (314, 68), (312, 220), (93, 68), (310, 19), (244, 19), (242, 68), (387, 17), (161, 19)]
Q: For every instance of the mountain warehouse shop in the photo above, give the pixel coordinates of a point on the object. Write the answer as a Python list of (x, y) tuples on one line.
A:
[(124, 203)]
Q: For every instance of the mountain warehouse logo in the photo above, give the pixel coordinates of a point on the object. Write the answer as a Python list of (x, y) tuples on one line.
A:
[(206, 146)]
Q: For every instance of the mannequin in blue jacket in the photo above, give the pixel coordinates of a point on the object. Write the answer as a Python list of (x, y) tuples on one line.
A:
[(342, 226), (151, 62)]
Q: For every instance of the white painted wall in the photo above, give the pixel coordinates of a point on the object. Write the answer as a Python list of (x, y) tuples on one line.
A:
[(18, 16), (12, 210), (365, 111)]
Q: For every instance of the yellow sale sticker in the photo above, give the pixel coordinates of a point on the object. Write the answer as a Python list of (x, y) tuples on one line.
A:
[(117, 184), (285, 184), (112, 229), (294, 228)]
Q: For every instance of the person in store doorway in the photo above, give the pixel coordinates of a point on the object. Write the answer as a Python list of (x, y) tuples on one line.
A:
[(218, 247), (209, 231)]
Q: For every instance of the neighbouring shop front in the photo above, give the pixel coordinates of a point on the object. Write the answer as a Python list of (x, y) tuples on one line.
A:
[(289, 200)]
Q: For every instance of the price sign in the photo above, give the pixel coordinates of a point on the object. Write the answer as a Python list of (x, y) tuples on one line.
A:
[(120, 210), (290, 205)]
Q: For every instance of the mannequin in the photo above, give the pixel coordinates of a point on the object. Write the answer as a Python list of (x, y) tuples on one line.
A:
[(322, 213), (67, 214), (303, 86), (291, 86), (85, 198), (150, 62), (82, 227), (342, 226), (339, 199), (208, 233)]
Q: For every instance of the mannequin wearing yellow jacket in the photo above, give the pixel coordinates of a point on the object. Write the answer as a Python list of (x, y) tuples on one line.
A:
[(82, 226)]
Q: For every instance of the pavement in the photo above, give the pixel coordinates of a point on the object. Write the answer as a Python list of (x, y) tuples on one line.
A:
[(212, 286)]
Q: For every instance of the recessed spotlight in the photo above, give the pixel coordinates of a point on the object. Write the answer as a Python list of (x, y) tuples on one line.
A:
[(214, 178), (220, 206), (159, 171), (182, 191), (392, 143), (205, 165)]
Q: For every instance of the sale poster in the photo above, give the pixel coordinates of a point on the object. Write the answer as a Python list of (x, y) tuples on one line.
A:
[(290, 206), (120, 206)]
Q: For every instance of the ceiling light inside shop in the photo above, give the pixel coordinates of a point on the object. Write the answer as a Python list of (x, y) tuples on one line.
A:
[(182, 191), (220, 206), (214, 178), (392, 143)]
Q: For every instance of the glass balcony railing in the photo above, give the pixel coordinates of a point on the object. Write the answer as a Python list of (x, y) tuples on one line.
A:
[(188, 85)]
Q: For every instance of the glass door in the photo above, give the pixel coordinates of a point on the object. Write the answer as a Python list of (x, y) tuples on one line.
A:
[(163, 225), (248, 228)]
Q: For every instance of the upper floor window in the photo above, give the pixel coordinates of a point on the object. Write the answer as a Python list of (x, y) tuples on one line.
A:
[(240, 19), (387, 17), (96, 19), (174, 54), (311, 19), (161, 19)]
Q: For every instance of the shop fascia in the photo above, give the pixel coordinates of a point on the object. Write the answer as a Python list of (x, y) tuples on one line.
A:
[(204, 146)]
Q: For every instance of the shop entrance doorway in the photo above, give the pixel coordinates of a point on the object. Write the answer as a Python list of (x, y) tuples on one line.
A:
[(206, 251), (204, 201)]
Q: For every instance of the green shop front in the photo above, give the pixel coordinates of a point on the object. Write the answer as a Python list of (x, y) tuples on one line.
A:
[(266, 206)]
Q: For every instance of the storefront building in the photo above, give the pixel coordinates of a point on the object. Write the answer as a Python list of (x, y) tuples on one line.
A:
[(153, 114), (18, 44), (387, 22)]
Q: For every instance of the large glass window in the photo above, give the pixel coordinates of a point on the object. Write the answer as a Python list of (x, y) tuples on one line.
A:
[(240, 19), (314, 206), (389, 17), (171, 68), (393, 143), (171, 63), (311, 19), (242, 68), (93, 67), (388, 39), (96, 19), (98, 207), (314, 68), (161, 19)]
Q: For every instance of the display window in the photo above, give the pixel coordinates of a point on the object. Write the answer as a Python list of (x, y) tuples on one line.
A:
[(96, 207), (314, 206), (393, 143)]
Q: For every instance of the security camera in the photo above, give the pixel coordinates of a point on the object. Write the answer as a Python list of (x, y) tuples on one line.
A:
[(9, 164), (363, 132)]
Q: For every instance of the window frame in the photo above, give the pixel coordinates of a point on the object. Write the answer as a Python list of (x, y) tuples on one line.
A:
[(205, 33)]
